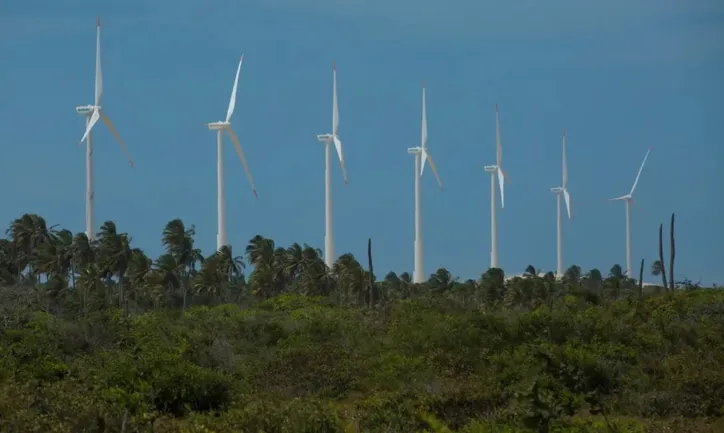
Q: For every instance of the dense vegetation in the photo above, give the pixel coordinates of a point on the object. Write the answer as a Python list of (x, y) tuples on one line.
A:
[(97, 337)]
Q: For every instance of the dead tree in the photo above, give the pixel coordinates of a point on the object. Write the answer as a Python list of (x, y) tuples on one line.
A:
[(641, 279), (661, 257), (371, 282), (672, 255)]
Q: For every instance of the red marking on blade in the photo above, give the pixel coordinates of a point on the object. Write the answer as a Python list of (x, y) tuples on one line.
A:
[(423, 84), (496, 108), (98, 21), (334, 66)]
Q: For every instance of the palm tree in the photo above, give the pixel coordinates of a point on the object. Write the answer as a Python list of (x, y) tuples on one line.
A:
[(230, 265), (441, 281), (316, 278), (391, 287), (293, 263), (350, 278), (615, 283), (28, 233), (406, 284), (573, 274), (544, 289), (530, 272), (213, 277), (179, 243), (84, 252), (656, 268), (261, 281), (518, 292), (168, 274), (492, 284), (260, 250), (89, 282), (139, 269), (592, 281), (54, 258), (115, 252), (9, 272), (463, 292)]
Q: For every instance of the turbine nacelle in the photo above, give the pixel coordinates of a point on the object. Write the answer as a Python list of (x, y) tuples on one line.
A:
[(325, 138), (215, 126), (491, 168), (414, 150), (86, 110), (626, 197), (557, 190)]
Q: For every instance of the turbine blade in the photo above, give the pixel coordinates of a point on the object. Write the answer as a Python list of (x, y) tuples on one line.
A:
[(565, 165), (501, 183), (505, 175), (567, 198), (432, 166), (335, 107), (639, 173), (424, 124), (498, 147), (112, 128), (93, 120), (232, 100), (237, 146), (340, 154), (423, 159), (99, 73)]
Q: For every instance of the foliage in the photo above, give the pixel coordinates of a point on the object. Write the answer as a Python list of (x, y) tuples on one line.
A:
[(95, 336)]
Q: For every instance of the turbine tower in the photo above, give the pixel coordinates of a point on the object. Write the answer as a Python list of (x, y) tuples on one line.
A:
[(628, 198), (327, 140), (220, 127), (92, 114), (496, 171), (561, 191), (422, 154)]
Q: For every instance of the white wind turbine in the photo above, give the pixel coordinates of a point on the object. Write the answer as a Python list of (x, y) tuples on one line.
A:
[(220, 127), (92, 114), (496, 171), (327, 140), (628, 198), (422, 154), (561, 191)]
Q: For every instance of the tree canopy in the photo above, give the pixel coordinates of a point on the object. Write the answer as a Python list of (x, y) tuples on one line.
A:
[(95, 336)]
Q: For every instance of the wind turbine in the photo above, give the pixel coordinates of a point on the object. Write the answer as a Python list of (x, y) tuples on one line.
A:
[(496, 171), (561, 191), (422, 154), (628, 198), (220, 127), (92, 114), (327, 140)]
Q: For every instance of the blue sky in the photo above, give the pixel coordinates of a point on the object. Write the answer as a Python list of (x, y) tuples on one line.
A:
[(620, 76)]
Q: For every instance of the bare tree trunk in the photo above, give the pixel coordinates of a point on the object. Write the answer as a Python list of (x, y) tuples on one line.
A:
[(641, 280), (673, 253), (371, 283), (661, 257), (123, 423)]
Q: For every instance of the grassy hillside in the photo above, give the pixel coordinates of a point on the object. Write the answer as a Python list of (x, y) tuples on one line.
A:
[(96, 336), (295, 363)]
